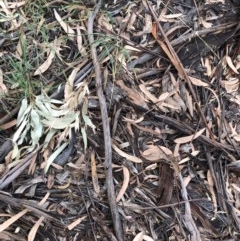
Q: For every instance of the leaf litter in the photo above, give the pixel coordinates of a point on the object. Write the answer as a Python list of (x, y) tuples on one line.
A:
[(170, 78)]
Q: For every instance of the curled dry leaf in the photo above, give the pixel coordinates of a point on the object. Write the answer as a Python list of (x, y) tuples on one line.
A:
[(70, 32), (55, 48), (126, 176), (231, 65), (127, 156), (230, 85), (34, 229)]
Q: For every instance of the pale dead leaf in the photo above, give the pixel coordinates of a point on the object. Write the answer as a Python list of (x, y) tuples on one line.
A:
[(186, 159), (45, 65), (205, 24), (41, 22), (81, 48), (186, 180), (212, 191), (171, 16), (127, 156), (230, 85), (187, 98), (70, 83), (44, 199), (75, 223), (147, 238), (21, 44), (134, 121), (13, 219), (70, 32), (128, 47), (231, 65), (139, 237), (133, 95), (126, 176), (155, 153), (103, 21), (3, 88), (14, 5), (198, 82), (34, 229), (94, 173), (186, 139)]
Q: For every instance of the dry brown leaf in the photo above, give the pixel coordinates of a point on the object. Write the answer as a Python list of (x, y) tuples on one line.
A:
[(207, 66), (171, 16), (186, 139), (13, 219), (155, 153), (205, 24), (70, 83), (187, 98), (211, 189), (133, 95), (94, 173), (70, 32), (126, 178), (134, 121), (231, 65), (34, 229), (230, 85), (54, 48), (147, 27), (131, 21), (81, 48), (156, 132), (44, 199), (46, 64), (40, 24), (131, 48), (75, 223), (127, 156), (194, 153), (197, 82), (103, 21)]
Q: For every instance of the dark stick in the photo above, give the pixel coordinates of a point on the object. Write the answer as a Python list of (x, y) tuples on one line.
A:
[(106, 130)]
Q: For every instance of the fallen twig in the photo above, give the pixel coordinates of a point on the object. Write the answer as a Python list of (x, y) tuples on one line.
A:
[(106, 129), (189, 222), (11, 175)]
